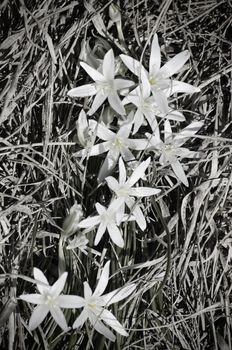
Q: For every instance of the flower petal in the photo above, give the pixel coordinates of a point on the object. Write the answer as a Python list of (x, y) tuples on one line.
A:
[(100, 208), (179, 172), (117, 295), (38, 275), (100, 232), (179, 86), (108, 164), (98, 149), (151, 118), (134, 66), (134, 99), (138, 120), (174, 65), (116, 103), (127, 155), (112, 183), (122, 172), (38, 315), (93, 73), (137, 212), (115, 205), (32, 298), (145, 85), (139, 172), (83, 91), (143, 191), (115, 234), (87, 290), (102, 329), (187, 132), (139, 217), (58, 286), (125, 129), (70, 301), (100, 97), (119, 217), (103, 280), (186, 153), (120, 84), (161, 100), (108, 65), (172, 115), (89, 222), (80, 320), (102, 131), (58, 316), (137, 144), (167, 132), (111, 320), (155, 57)]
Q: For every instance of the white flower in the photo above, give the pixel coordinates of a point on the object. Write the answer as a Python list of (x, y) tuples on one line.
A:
[(171, 149), (124, 189), (95, 306), (70, 225), (106, 220), (115, 144), (50, 300), (147, 107), (105, 86), (159, 77), (80, 242)]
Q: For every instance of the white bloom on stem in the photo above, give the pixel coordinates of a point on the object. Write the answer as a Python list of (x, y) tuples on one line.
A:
[(159, 77), (80, 242), (171, 149), (50, 300), (106, 220), (105, 86), (95, 304), (124, 189), (115, 144), (147, 107)]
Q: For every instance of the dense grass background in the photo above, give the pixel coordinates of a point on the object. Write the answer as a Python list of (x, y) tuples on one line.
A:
[(183, 300)]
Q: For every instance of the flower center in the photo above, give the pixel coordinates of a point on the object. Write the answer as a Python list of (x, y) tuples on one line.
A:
[(170, 150), (117, 143), (107, 217), (153, 80), (93, 305), (105, 86), (49, 299), (123, 191)]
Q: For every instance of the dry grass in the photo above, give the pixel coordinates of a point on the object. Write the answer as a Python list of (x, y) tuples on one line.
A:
[(183, 301)]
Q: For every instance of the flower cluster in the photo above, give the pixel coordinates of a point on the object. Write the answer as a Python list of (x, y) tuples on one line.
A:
[(51, 300), (115, 130)]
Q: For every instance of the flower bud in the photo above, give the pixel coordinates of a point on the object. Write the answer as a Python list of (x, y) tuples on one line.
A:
[(72, 220), (114, 13)]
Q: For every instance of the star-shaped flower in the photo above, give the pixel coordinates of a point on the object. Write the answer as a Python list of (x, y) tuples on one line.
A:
[(106, 220), (115, 144), (147, 107), (124, 189), (95, 304), (171, 149), (159, 77), (50, 300), (80, 242), (105, 86)]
